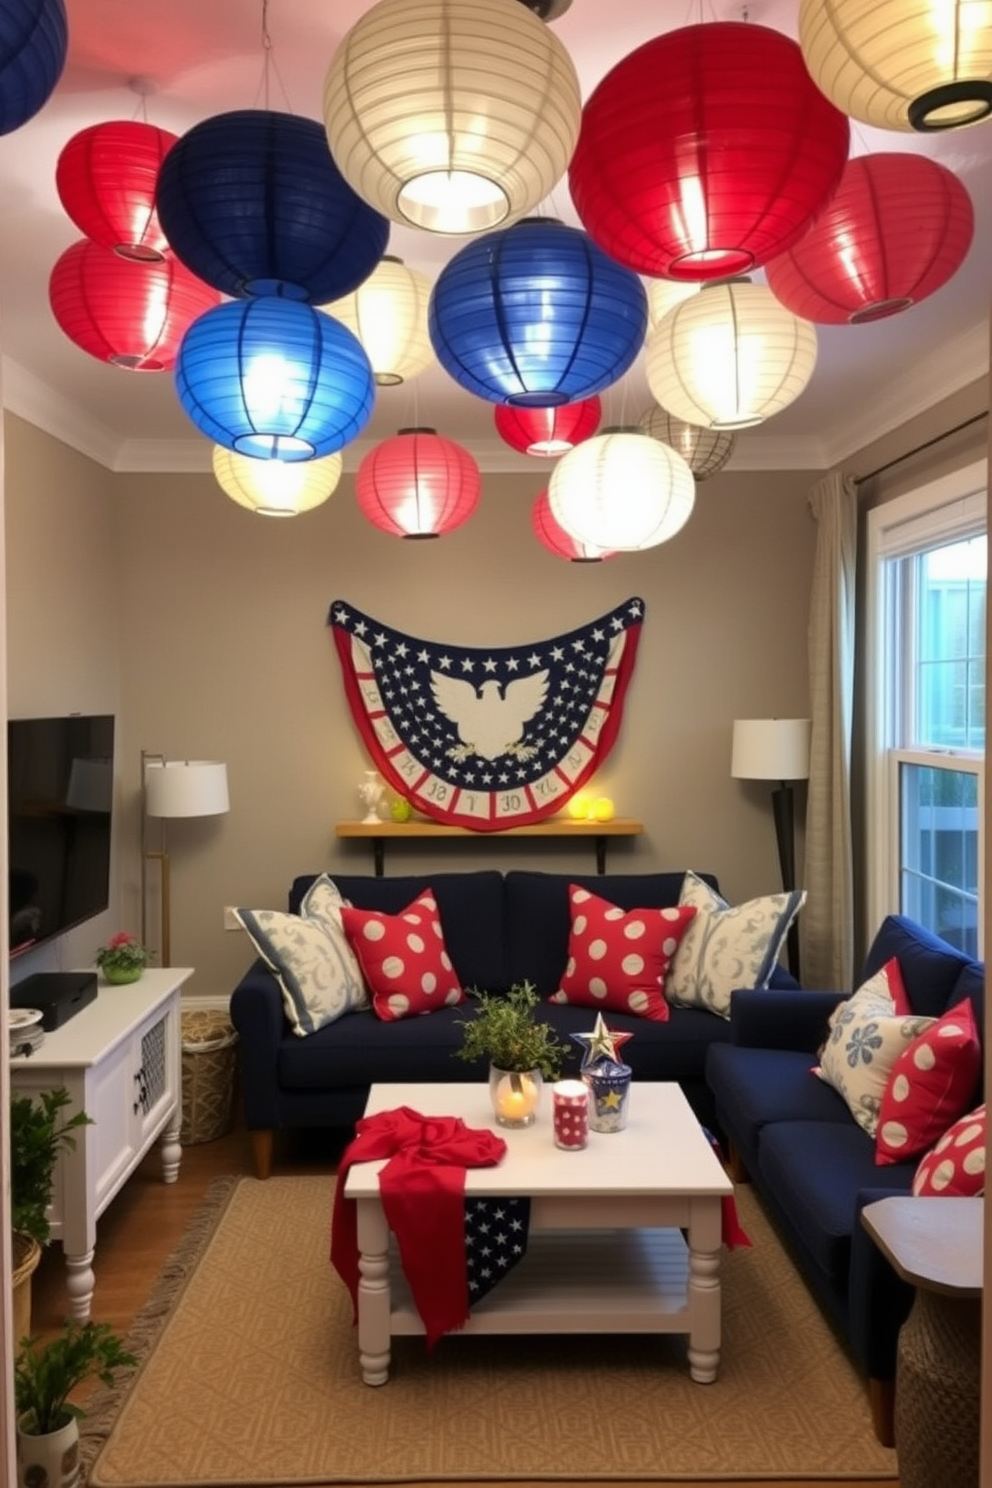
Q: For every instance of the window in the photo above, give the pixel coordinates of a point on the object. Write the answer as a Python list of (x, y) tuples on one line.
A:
[(926, 729)]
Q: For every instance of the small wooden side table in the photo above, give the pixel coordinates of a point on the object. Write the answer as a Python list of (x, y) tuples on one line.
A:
[(936, 1245)]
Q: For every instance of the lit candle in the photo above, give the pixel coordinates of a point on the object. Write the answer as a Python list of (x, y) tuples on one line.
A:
[(516, 1099), (570, 1102)]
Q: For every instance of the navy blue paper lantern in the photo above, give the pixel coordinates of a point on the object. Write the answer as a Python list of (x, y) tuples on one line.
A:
[(254, 204), (34, 39), (275, 379), (536, 315)]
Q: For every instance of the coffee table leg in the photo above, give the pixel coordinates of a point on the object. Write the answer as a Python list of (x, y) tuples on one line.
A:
[(373, 1292), (705, 1236)]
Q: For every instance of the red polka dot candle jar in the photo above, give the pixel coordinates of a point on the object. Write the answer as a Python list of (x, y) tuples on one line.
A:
[(570, 1100)]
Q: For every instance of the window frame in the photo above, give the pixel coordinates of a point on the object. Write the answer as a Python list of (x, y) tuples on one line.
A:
[(951, 508)]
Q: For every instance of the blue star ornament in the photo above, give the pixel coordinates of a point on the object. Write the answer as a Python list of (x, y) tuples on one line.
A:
[(601, 1044)]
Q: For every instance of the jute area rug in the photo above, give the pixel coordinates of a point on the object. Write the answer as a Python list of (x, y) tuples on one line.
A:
[(250, 1376)]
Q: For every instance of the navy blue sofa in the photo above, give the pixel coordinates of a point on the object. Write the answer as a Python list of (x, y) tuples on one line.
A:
[(499, 930), (812, 1164)]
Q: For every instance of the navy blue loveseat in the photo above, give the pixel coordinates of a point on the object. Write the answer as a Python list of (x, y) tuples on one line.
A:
[(811, 1162), (500, 929)]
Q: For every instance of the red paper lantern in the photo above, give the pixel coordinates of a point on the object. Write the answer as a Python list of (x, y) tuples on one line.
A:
[(552, 535), (133, 315), (896, 229), (106, 177), (418, 484), (547, 432), (706, 152)]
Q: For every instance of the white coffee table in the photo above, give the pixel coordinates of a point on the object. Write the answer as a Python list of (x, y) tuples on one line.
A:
[(625, 1235)]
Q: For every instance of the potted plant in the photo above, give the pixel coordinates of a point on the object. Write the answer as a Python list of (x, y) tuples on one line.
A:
[(522, 1052), (123, 958), (39, 1131), (44, 1377)]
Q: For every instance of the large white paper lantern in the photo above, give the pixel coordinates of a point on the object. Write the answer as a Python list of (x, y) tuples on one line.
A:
[(730, 357), (388, 314), (452, 115), (622, 491), (275, 488)]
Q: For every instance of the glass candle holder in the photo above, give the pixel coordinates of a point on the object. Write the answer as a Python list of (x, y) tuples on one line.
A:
[(515, 1095), (570, 1099)]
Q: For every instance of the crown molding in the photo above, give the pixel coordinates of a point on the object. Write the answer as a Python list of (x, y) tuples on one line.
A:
[(34, 401)]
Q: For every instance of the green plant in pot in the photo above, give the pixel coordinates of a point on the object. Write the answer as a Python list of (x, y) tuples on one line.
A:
[(45, 1374), (122, 959), (39, 1131), (522, 1051)]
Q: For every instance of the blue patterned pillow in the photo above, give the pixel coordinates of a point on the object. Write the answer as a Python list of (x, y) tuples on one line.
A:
[(865, 1040), (727, 946)]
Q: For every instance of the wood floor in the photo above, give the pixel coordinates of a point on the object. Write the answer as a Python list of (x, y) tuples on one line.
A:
[(139, 1230)]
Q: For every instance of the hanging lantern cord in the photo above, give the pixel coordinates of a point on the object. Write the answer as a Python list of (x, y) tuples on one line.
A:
[(269, 68)]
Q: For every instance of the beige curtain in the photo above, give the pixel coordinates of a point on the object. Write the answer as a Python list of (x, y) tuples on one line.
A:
[(827, 921)]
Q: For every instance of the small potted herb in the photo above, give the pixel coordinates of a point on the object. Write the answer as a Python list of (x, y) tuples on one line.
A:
[(522, 1052)]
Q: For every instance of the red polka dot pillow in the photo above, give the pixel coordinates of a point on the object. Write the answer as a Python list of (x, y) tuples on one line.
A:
[(955, 1166), (619, 958), (403, 958), (931, 1084)]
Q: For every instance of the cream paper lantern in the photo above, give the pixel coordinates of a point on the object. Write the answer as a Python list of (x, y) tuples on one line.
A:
[(388, 314), (705, 451), (622, 491), (730, 357), (275, 488), (901, 64), (452, 115), (664, 295)]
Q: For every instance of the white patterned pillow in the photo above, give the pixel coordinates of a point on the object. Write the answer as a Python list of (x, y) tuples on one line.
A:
[(309, 955), (726, 947), (865, 1040)]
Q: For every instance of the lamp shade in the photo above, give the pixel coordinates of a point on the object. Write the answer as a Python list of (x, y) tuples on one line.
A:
[(561, 544), (730, 357), (34, 39), (901, 64), (274, 378), (547, 432), (452, 115), (273, 488), (536, 315), (418, 484), (771, 749), (133, 315), (896, 229), (106, 177), (186, 788), (718, 169), (388, 314), (705, 451), (252, 202), (622, 491)]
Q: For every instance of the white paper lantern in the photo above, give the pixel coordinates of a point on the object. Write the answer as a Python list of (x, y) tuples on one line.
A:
[(388, 314), (901, 64), (705, 451), (452, 115), (622, 491), (730, 357), (273, 488), (664, 295)]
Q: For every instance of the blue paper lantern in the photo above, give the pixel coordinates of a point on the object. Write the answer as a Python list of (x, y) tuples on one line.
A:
[(254, 204), (34, 39), (275, 379), (536, 315)]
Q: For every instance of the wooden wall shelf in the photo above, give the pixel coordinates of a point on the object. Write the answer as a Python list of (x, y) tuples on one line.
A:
[(600, 832)]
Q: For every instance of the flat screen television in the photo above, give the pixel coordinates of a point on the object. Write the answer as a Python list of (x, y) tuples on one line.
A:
[(60, 783)]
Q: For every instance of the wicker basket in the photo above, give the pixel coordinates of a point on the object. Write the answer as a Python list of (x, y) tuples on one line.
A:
[(209, 1057)]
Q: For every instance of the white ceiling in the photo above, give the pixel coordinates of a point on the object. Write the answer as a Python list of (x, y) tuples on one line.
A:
[(190, 59)]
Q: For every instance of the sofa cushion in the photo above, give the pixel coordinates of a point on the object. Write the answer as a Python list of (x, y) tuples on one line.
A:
[(726, 947), (815, 1170), (754, 1087), (955, 1165), (932, 1083), (470, 906), (538, 920), (618, 959), (930, 967), (360, 1049), (404, 959), (864, 1043)]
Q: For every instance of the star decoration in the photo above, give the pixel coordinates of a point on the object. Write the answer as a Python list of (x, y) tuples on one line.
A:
[(601, 1043)]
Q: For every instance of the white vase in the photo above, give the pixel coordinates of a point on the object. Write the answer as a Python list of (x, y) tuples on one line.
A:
[(370, 794), (49, 1461)]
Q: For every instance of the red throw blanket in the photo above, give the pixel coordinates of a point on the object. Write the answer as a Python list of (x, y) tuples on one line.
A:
[(422, 1188)]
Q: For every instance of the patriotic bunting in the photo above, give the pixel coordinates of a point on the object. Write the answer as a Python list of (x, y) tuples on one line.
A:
[(487, 738)]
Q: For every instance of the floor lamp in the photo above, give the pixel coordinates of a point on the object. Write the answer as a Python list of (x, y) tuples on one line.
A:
[(173, 788), (776, 749)]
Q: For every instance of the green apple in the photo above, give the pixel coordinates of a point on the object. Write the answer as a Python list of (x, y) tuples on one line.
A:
[(400, 809)]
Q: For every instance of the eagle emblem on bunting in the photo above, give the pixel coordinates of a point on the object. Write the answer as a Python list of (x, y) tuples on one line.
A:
[(487, 737)]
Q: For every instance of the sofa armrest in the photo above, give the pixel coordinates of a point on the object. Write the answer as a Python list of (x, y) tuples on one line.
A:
[(257, 1013), (878, 1300), (781, 1019)]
